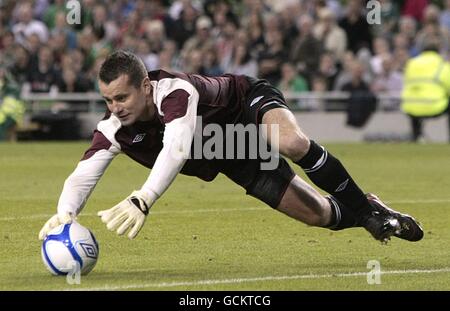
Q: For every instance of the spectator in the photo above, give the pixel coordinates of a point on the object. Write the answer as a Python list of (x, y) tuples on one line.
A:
[(414, 8), (61, 27), (332, 36), (133, 25), (78, 60), (401, 42), (155, 34), (401, 57), (181, 29), (28, 26), (362, 102), (270, 60), (241, 61), (225, 42), (219, 19), (101, 24), (334, 5), (165, 61), (255, 26), (356, 27), (318, 87), (306, 49), (444, 18), (39, 8), (211, 63), (380, 48), (291, 81), (426, 90), (194, 62), (390, 13), (58, 44), (289, 15), (11, 109), (7, 55), (432, 28), (328, 69), (272, 22), (150, 59), (43, 75), (19, 70), (92, 75), (32, 45), (345, 74), (50, 15), (87, 45), (87, 15), (202, 39), (169, 57), (129, 43), (408, 27), (71, 82), (356, 83), (389, 79)]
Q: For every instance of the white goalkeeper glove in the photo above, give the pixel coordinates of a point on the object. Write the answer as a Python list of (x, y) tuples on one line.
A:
[(55, 221), (130, 213)]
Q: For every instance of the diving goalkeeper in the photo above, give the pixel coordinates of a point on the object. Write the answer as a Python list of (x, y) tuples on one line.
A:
[(152, 118)]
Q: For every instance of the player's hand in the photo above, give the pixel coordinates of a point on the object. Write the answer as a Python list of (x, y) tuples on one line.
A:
[(130, 213), (55, 221)]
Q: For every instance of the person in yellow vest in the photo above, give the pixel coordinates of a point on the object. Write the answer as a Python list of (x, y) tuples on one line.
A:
[(11, 108), (426, 88)]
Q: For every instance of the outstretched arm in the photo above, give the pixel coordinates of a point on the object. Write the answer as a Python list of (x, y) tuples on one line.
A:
[(79, 185), (177, 142)]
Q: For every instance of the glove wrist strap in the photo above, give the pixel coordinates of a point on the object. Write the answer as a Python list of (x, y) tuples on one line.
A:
[(143, 200)]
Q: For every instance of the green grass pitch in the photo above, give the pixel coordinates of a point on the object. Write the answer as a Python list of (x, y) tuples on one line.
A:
[(210, 236)]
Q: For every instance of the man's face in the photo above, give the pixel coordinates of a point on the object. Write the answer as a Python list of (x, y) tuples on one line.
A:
[(125, 101)]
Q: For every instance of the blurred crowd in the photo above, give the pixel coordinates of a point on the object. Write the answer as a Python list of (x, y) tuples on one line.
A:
[(298, 45)]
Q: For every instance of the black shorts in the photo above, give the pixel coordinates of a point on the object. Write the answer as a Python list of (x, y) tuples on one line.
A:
[(268, 186), (261, 98)]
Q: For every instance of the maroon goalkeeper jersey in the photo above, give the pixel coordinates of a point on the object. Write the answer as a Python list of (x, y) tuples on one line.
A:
[(220, 101)]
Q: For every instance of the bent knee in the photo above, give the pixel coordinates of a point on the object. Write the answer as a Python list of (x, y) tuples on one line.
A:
[(318, 217), (294, 146), (314, 211)]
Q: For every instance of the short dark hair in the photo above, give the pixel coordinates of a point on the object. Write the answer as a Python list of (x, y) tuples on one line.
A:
[(123, 62), (432, 43)]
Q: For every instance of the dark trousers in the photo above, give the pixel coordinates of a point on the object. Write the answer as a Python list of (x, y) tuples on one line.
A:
[(417, 124), (5, 128)]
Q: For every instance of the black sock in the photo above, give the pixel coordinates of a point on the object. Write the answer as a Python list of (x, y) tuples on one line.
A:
[(341, 216), (328, 173)]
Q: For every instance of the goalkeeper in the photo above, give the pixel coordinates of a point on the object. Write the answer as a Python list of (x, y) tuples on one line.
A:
[(152, 118)]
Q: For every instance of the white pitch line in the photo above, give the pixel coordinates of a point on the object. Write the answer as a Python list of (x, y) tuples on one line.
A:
[(254, 279), (187, 211), (432, 201), (211, 210)]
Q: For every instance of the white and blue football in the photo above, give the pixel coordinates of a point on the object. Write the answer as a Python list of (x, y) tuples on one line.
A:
[(70, 247)]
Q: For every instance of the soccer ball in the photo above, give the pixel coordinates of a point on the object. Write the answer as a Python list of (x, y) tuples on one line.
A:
[(70, 248)]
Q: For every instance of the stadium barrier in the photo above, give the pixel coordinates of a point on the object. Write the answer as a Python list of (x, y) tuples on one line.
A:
[(323, 116), (93, 102)]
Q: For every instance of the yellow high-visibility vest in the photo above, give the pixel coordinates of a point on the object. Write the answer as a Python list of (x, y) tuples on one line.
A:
[(13, 108), (426, 85)]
